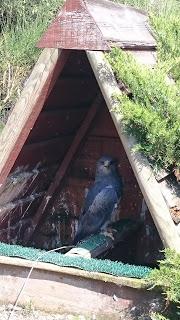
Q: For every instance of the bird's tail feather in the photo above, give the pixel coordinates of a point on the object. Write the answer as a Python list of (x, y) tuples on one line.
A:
[(77, 238)]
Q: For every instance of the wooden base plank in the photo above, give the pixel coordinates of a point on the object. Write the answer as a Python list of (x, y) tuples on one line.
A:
[(68, 290)]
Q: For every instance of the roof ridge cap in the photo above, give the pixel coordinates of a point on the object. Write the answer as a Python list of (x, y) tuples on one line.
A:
[(70, 28)]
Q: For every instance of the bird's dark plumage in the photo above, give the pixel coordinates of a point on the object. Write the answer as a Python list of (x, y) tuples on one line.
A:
[(101, 200)]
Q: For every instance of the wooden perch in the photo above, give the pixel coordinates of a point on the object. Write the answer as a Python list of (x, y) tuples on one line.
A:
[(67, 160), (94, 246), (141, 167)]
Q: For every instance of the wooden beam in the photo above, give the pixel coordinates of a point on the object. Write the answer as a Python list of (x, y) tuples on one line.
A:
[(141, 167), (28, 107), (67, 160), (135, 46), (73, 291), (14, 263)]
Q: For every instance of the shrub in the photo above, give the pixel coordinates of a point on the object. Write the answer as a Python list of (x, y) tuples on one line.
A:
[(152, 114), (164, 16), (167, 278)]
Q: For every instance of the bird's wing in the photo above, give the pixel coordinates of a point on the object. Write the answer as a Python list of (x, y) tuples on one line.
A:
[(98, 212)]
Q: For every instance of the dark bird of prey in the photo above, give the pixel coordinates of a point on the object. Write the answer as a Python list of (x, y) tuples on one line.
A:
[(101, 201)]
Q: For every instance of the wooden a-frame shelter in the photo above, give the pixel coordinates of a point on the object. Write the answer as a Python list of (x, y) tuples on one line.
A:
[(64, 120)]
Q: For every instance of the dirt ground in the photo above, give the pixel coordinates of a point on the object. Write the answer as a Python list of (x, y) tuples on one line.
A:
[(30, 314)]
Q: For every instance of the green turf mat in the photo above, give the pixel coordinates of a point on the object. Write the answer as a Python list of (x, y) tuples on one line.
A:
[(96, 265)]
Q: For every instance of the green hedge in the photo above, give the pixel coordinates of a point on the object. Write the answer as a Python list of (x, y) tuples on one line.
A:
[(152, 114), (167, 278)]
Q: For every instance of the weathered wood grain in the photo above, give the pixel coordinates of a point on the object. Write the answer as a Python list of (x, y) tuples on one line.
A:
[(28, 108), (19, 203), (140, 165), (146, 57), (68, 290), (18, 262)]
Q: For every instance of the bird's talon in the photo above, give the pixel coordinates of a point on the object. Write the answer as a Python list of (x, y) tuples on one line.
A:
[(108, 234)]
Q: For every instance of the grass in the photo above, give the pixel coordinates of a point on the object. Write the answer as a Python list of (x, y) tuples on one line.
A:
[(22, 23)]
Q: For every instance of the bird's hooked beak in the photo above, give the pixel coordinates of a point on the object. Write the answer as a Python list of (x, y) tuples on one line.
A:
[(107, 163)]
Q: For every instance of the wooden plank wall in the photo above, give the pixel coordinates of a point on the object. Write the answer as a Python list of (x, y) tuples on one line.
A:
[(45, 147), (102, 139), (44, 150)]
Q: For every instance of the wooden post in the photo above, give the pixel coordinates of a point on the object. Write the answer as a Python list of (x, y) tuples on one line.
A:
[(28, 107), (67, 160), (141, 167)]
